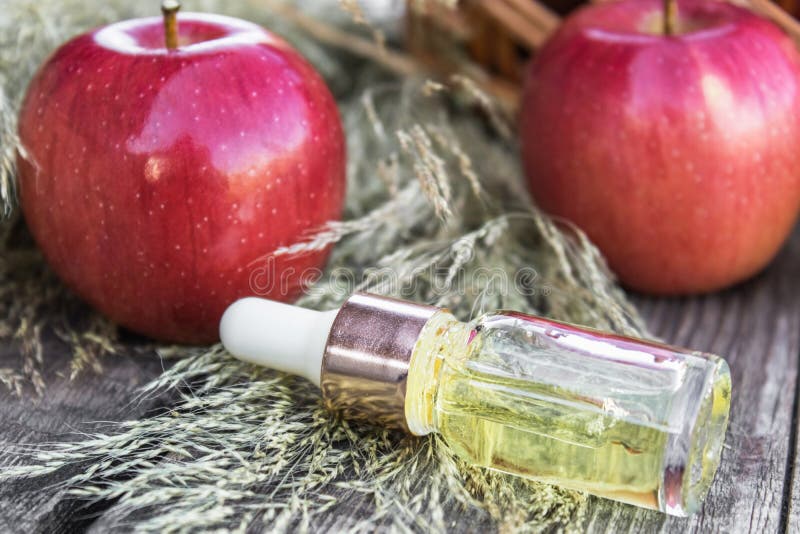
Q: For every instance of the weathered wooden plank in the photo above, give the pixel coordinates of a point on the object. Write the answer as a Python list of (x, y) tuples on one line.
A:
[(67, 407), (792, 499), (755, 326)]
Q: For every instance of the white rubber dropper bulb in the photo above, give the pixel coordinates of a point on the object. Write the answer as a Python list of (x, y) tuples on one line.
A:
[(279, 336)]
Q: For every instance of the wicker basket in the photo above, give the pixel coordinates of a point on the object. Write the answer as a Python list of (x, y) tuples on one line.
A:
[(492, 40)]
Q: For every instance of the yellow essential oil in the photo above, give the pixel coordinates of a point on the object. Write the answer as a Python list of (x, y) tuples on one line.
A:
[(631, 421)]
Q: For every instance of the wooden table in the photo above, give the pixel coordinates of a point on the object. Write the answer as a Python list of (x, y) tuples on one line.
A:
[(756, 326)]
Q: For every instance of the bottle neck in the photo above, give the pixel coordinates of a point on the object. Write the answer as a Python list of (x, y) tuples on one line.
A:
[(442, 336), (365, 365)]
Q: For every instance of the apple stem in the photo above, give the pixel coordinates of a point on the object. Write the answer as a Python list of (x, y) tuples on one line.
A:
[(169, 8), (670, 16)]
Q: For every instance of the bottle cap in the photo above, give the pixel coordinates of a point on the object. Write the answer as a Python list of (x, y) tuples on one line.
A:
[(358, 355), (367, 357)]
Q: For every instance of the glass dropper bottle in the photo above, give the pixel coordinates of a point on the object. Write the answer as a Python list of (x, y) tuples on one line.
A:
[(621, 418)]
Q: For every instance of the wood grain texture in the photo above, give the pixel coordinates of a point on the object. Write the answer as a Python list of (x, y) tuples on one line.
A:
[(791, 509), (66, 408), (755, 326)]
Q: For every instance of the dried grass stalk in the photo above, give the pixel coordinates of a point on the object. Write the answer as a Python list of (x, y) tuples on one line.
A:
[(436, 197)]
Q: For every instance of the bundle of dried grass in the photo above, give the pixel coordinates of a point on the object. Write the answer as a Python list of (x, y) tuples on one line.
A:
[(437, 209)]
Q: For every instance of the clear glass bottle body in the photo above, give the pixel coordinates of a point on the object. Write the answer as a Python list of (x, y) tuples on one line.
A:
[(625, 419)]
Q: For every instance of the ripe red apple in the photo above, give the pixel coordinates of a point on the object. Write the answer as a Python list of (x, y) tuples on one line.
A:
[(153, 177), (678, 155)]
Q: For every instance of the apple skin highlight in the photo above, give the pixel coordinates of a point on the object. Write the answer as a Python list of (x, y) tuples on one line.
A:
[(155, 180), (678, 155)]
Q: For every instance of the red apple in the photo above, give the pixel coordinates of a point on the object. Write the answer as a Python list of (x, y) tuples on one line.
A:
[(152, 178), (678, 155)]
